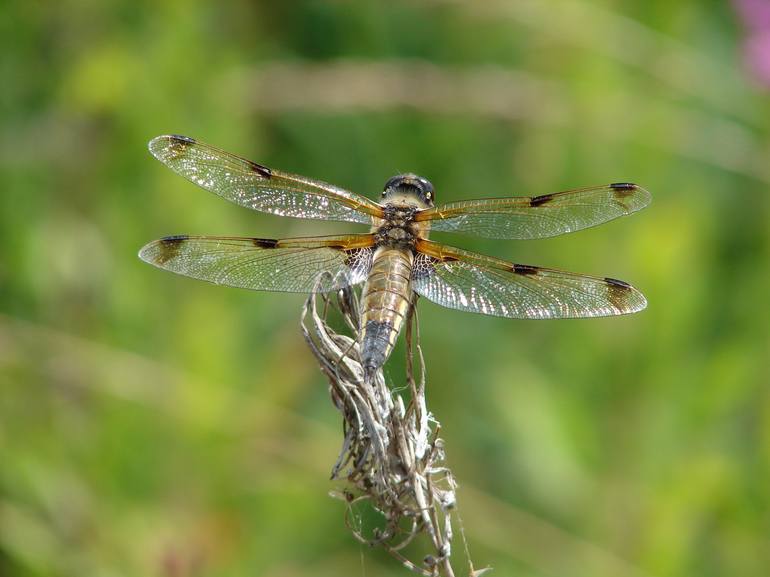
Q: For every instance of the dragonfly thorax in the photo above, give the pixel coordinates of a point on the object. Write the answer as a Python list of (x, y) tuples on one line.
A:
[(398, 228)]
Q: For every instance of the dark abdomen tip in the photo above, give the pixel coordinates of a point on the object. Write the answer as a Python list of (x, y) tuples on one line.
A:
[(375, 345)]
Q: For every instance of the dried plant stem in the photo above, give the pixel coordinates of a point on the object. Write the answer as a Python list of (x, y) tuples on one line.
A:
[(392, 457)]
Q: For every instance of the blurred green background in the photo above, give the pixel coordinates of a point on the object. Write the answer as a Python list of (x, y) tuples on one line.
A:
[(155, 425)]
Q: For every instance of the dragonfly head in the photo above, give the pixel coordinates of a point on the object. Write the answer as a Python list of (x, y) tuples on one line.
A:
[(409, 189)]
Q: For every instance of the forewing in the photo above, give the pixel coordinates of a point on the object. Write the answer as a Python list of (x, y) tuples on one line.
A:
[(542, 216), (260, 188), (472, 282), (301, 265)]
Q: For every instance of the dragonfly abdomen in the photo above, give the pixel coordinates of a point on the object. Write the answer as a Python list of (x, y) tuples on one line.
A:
[(386, 300)]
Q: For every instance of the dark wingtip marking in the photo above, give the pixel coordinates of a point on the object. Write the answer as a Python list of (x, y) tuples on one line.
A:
[(264, 242), (617, 283), (181, 138), (169, 146), (175, 238), (263, 171), (622, 189), (169, 247), (525, 269), (619, 293), (540, 200)]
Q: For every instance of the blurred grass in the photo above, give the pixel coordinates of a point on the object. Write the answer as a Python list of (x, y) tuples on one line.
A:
[(153, 425)]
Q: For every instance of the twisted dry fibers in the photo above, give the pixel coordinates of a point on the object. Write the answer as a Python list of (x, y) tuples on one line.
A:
[(392, 457)]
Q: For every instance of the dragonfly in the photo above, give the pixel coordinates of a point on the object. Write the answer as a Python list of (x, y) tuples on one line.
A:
[(395, 260)]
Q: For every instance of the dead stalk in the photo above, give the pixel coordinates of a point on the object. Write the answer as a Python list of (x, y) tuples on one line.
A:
[(391, 456)]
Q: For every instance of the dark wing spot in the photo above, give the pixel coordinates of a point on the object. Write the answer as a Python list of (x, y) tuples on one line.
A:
[(449, 258), (175, 238), (177, 145), (617, 283), (623, 189), (618, 293), (540, 200), (262, 171), (525, 269), (168, 247), (182, 139), (264, 242)]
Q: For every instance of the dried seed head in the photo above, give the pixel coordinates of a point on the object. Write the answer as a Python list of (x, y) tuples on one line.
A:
[(391, 456)]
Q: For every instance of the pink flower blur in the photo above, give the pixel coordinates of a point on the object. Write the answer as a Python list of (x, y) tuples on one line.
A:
[(756, 45)]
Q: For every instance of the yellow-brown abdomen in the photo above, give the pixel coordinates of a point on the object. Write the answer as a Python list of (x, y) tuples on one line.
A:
[(386, 300)]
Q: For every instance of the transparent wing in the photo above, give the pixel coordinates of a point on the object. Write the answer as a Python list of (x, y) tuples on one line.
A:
[(257, 187), (526, 217), (289, 265), (476, 283)]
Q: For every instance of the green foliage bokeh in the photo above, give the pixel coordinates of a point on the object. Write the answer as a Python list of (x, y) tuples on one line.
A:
[(154, 425)]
